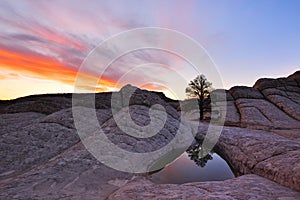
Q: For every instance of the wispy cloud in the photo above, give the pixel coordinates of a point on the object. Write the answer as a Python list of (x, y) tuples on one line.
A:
[(33, 46), (49, 41)]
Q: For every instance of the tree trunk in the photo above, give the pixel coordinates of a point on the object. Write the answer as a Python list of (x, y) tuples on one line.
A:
[(201, 109)]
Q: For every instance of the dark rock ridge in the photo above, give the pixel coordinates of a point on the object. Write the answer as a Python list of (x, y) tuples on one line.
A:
[(50, 103), (44, 158)]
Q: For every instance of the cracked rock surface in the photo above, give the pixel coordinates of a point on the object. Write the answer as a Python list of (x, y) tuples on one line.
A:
[(271, 104), (42, 156), (244, 187)]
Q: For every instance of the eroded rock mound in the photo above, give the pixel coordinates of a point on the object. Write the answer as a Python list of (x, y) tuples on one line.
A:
[(44, 157), (271, 104)]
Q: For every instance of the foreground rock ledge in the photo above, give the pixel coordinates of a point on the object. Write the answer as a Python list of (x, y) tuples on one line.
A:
[(243, 187), (259, 152)]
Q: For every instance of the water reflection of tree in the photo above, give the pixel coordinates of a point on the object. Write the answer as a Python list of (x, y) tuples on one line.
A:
[(197, 154)]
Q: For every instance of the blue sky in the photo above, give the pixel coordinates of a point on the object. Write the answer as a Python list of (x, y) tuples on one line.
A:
[(44, 42)]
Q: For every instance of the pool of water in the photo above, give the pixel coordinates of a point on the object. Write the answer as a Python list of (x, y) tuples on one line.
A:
[(189, 167)]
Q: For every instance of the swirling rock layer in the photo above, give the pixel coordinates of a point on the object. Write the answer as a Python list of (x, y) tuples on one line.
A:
[(42, 156)]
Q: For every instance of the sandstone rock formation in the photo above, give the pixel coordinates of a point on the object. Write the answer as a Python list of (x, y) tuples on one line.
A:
[(271, 104), (44, 158), (260, 152), (244, 187)]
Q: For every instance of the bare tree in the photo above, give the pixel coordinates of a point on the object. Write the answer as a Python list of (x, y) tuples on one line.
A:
[(199, 88)]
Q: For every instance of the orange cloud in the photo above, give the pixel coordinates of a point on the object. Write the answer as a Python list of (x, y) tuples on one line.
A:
[(44, 67), (48, 68)]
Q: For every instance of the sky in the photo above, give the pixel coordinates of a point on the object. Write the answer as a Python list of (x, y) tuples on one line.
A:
[(44, 43)]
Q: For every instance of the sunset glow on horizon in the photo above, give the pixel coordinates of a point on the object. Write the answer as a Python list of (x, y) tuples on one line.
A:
[(43, 43)]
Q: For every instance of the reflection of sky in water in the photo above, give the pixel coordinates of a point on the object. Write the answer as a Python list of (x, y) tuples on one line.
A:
[(184, 170)]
